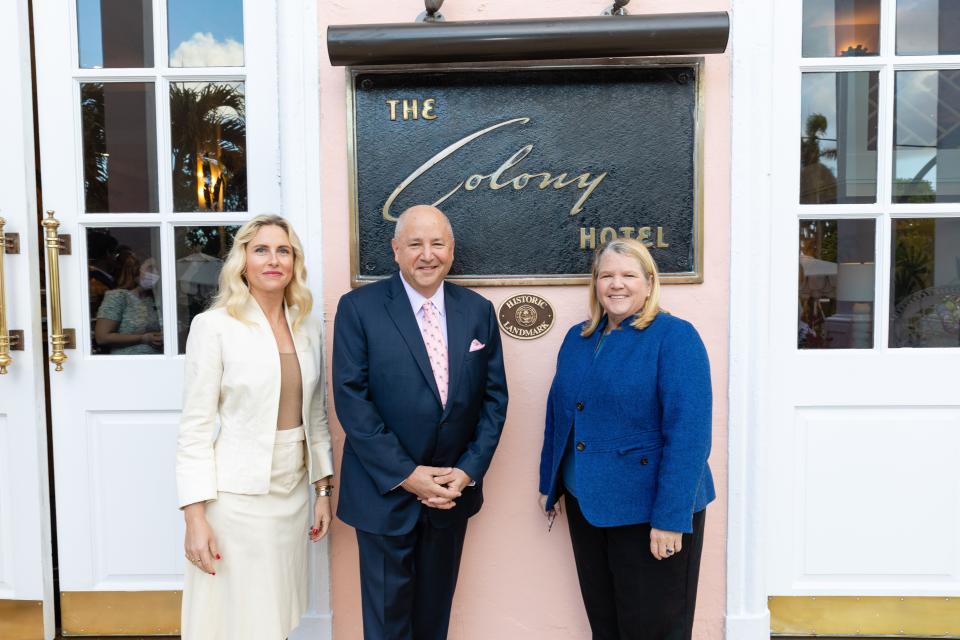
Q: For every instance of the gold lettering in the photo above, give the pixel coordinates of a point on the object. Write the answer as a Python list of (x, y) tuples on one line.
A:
[(419, 171), (584, 238), (590, 186), (660, 243), (607, 234), (427, 113), (643, 233), (474, 181), (515, 159), (410, 109), (512, 302), (393, 108), (627, 231), (585, 182)]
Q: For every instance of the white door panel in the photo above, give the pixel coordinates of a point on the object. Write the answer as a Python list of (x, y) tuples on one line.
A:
[(863, 494), (26, 567)]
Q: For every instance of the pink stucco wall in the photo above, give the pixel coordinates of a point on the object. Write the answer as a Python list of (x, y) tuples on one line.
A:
[(517, 581)]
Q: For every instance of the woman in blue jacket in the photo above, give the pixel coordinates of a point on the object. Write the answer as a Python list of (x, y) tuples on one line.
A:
[(626, 442)]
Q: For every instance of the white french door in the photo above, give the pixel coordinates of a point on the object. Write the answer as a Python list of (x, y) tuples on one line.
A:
[(864, 411), (26, 566), (159, 134)]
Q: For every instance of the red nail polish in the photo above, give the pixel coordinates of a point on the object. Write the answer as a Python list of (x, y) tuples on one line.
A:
[(218, 556), (214, 573)]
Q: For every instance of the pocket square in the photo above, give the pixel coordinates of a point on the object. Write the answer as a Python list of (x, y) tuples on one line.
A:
[(476, 345)]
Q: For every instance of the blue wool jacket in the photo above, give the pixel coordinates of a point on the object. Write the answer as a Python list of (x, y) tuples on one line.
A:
[(640, 411)]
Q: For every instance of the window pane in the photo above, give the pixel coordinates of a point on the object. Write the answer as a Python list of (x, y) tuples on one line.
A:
[(928, 27), (926, 145), (205, 33), (925, 283), (837, 262), (123, 267), (838, 137), (200, 252), (834, 28), (119, 147), (208, 131), (115, 33)]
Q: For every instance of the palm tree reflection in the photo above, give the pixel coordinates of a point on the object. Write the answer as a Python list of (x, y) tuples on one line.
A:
[(208, 145), (818, 183)]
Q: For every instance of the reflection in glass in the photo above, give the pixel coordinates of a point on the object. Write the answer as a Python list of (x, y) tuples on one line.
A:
[(838, 137), (205, 33), (115, 33), (208, 133), (833, 28), (119, 147), (200, 253), (123, 269), (928, 27), (837, 262), (925, 283), (926, 144)]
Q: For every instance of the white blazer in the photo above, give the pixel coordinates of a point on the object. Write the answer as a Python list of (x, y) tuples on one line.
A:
[(233, 370)]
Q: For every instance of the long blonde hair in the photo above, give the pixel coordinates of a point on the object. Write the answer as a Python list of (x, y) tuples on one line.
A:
[(234, 292), (648, 267)]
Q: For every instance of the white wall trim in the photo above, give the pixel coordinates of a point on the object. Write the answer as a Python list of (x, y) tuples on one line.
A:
[(314, 627), (299, 114), (752, 30)]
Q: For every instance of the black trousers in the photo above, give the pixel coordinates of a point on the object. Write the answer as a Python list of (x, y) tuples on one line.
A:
[(407, 582), (629, 594)]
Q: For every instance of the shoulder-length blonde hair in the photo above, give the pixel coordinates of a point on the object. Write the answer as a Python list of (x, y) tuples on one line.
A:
[(648, 267), (234, 292)]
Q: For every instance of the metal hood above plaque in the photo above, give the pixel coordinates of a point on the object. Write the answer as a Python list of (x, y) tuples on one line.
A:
[(530, 39)]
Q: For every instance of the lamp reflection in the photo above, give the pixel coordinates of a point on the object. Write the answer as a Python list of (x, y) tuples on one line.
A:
[(834, 28), (208, 132)]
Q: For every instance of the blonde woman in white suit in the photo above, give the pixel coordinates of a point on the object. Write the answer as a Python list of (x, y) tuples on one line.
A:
[(255, 360)]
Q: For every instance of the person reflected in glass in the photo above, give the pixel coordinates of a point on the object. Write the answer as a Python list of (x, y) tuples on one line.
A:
[(255, 369), (626, 442), (128, 322), (102, 254)]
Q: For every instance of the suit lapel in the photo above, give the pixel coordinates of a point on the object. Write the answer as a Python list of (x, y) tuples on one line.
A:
[(399, 309), (456, 340)]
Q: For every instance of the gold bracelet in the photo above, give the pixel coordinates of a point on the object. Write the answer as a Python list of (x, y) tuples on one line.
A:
[(323, 491)]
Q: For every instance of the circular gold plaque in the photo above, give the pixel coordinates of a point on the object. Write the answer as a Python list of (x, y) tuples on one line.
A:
[(525, 316)]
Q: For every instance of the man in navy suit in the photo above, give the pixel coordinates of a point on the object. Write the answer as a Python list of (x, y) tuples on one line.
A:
[(420, 390)]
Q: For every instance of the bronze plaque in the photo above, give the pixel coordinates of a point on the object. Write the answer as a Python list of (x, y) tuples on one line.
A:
[(525, 316), (535, 165)]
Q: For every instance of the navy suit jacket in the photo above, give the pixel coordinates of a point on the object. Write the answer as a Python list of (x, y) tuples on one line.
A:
[(387, 401)]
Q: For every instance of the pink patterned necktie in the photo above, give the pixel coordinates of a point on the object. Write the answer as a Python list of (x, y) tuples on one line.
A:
[(436, 348)]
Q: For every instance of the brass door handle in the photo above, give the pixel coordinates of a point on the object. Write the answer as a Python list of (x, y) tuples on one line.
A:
[(58, 339), (5, 359)]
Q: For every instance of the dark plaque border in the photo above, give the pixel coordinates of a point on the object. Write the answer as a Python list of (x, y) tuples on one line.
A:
[(694, 276)]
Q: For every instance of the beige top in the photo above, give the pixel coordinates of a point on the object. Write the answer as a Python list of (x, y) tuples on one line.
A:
[(291, 392)]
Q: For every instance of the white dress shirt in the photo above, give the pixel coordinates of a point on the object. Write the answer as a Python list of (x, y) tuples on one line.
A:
[(417, 300)]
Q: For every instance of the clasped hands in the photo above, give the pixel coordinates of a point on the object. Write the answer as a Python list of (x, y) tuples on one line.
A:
[(436, 487)]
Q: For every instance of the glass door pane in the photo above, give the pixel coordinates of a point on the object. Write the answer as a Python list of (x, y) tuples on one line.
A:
[(205, 33), (925, 283), (115, 33), (838, 137), (119, 147)]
